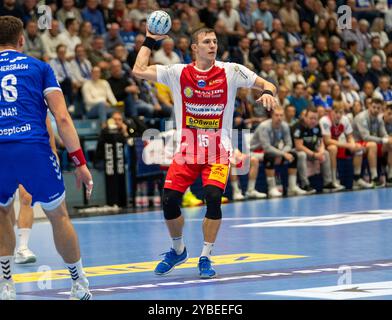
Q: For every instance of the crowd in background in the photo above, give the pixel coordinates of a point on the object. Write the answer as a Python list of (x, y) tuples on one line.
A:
[(302, 46)]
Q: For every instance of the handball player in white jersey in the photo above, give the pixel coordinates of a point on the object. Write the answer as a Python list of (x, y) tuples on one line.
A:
[(204, 93)]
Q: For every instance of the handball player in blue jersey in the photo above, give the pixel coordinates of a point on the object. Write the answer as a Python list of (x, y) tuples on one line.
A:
[(27, 88)]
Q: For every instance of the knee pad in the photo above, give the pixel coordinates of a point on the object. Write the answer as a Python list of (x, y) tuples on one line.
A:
[(293, 164), (269, 161), (171, 201), (213, 196)]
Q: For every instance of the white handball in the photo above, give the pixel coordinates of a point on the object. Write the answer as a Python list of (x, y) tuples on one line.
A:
[(159, 22)]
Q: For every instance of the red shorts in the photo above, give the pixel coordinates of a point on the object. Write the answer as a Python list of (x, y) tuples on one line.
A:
[(181, 175), (379, 147)]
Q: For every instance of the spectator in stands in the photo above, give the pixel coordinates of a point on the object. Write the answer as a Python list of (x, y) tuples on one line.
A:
[(278, 30), (312, 74), (128, 34), (267, 70), (133, 54), (70, 37), (112, 38), (367, 91), (166, 55), (342, 72), (352, 54), (33, 43), (182, 49), (375, 70), (294, 39), (107, 12), (63, 72), (322, 52), (361, 74), (99, 56), (139, 13), (164, 95), (289, 14), (209, 14), (306, 54), (30, 11), (363, 9), (281, 75), (51, 39), (273, 138), (86, 34), (377, 29), (81, 67), (349, 94), (120, 11), (353, 34), (387, 118), (279, 53), (384, 88), (258, 34), (244, 12), (388, 68), (295, 74), (310, 147), (231, 18), (307, 12), (98, 96), (223, 41), (323, 100), (121, 54), (333, 29), (363, 28), (68, 11), (289, 115), (297, 99), (11, 8), (243, 110), (264, 14), (122, 87), (375, 49), (370, 132), (93, 15), (335, 126), (241, 54), (335, 49)]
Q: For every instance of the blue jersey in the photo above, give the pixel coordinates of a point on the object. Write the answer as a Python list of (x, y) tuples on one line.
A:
[(24, 83)]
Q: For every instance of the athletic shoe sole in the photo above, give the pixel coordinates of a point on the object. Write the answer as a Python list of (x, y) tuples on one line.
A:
[(170, 270)]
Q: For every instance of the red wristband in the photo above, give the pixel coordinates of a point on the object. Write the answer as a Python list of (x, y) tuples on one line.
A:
[(78, 158)]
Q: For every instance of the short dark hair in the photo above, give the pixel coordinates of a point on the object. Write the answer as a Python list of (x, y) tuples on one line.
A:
[(10, 30), (310, 109), (377, 100), (195, 34), (68, 22)]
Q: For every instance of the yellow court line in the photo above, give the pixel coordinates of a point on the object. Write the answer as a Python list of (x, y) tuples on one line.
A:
[(148, 266)]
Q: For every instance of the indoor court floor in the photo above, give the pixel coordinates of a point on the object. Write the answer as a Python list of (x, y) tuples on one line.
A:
[(335, 246)]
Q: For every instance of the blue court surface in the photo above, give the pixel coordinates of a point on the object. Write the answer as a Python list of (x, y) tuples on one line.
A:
[(335, 246)]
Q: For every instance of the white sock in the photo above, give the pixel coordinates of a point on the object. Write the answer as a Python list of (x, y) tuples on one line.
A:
[(76, 270), (178, 244), (24, 236), (251, 184), (373, 173), (390, 172), (207, 249), (271, 182), (7, 266), (357, 171), (236, 188), (292, 181)]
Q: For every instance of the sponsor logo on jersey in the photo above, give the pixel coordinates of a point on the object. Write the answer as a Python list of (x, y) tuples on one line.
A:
[(188, 92), (204, 109), (202, 123), (216, 81), (219, 172), (207, 94), (198, 76), (201, 83)]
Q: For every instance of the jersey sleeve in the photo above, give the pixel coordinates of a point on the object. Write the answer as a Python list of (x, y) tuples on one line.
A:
[(50, 82), (348, 128), (242, 76), (168, 74)]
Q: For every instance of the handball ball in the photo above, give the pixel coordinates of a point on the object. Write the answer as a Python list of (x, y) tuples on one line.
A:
[(159, 22)]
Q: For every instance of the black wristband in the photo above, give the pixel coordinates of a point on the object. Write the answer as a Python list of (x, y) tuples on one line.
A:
[(267, 92), (149, 43)]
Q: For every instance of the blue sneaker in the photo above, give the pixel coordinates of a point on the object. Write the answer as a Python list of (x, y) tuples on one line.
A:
[(170, 260), (206, 271)]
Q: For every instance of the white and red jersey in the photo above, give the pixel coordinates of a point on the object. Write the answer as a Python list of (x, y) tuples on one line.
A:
[(328, 128), (204, 102)]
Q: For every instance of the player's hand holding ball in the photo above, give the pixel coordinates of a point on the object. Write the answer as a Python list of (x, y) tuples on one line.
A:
[(158, 25)]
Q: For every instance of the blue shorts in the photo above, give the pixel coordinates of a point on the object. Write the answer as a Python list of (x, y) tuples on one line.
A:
[(36, 168)]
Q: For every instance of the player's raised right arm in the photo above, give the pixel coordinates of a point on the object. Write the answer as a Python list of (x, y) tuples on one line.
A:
[(142, 69)]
